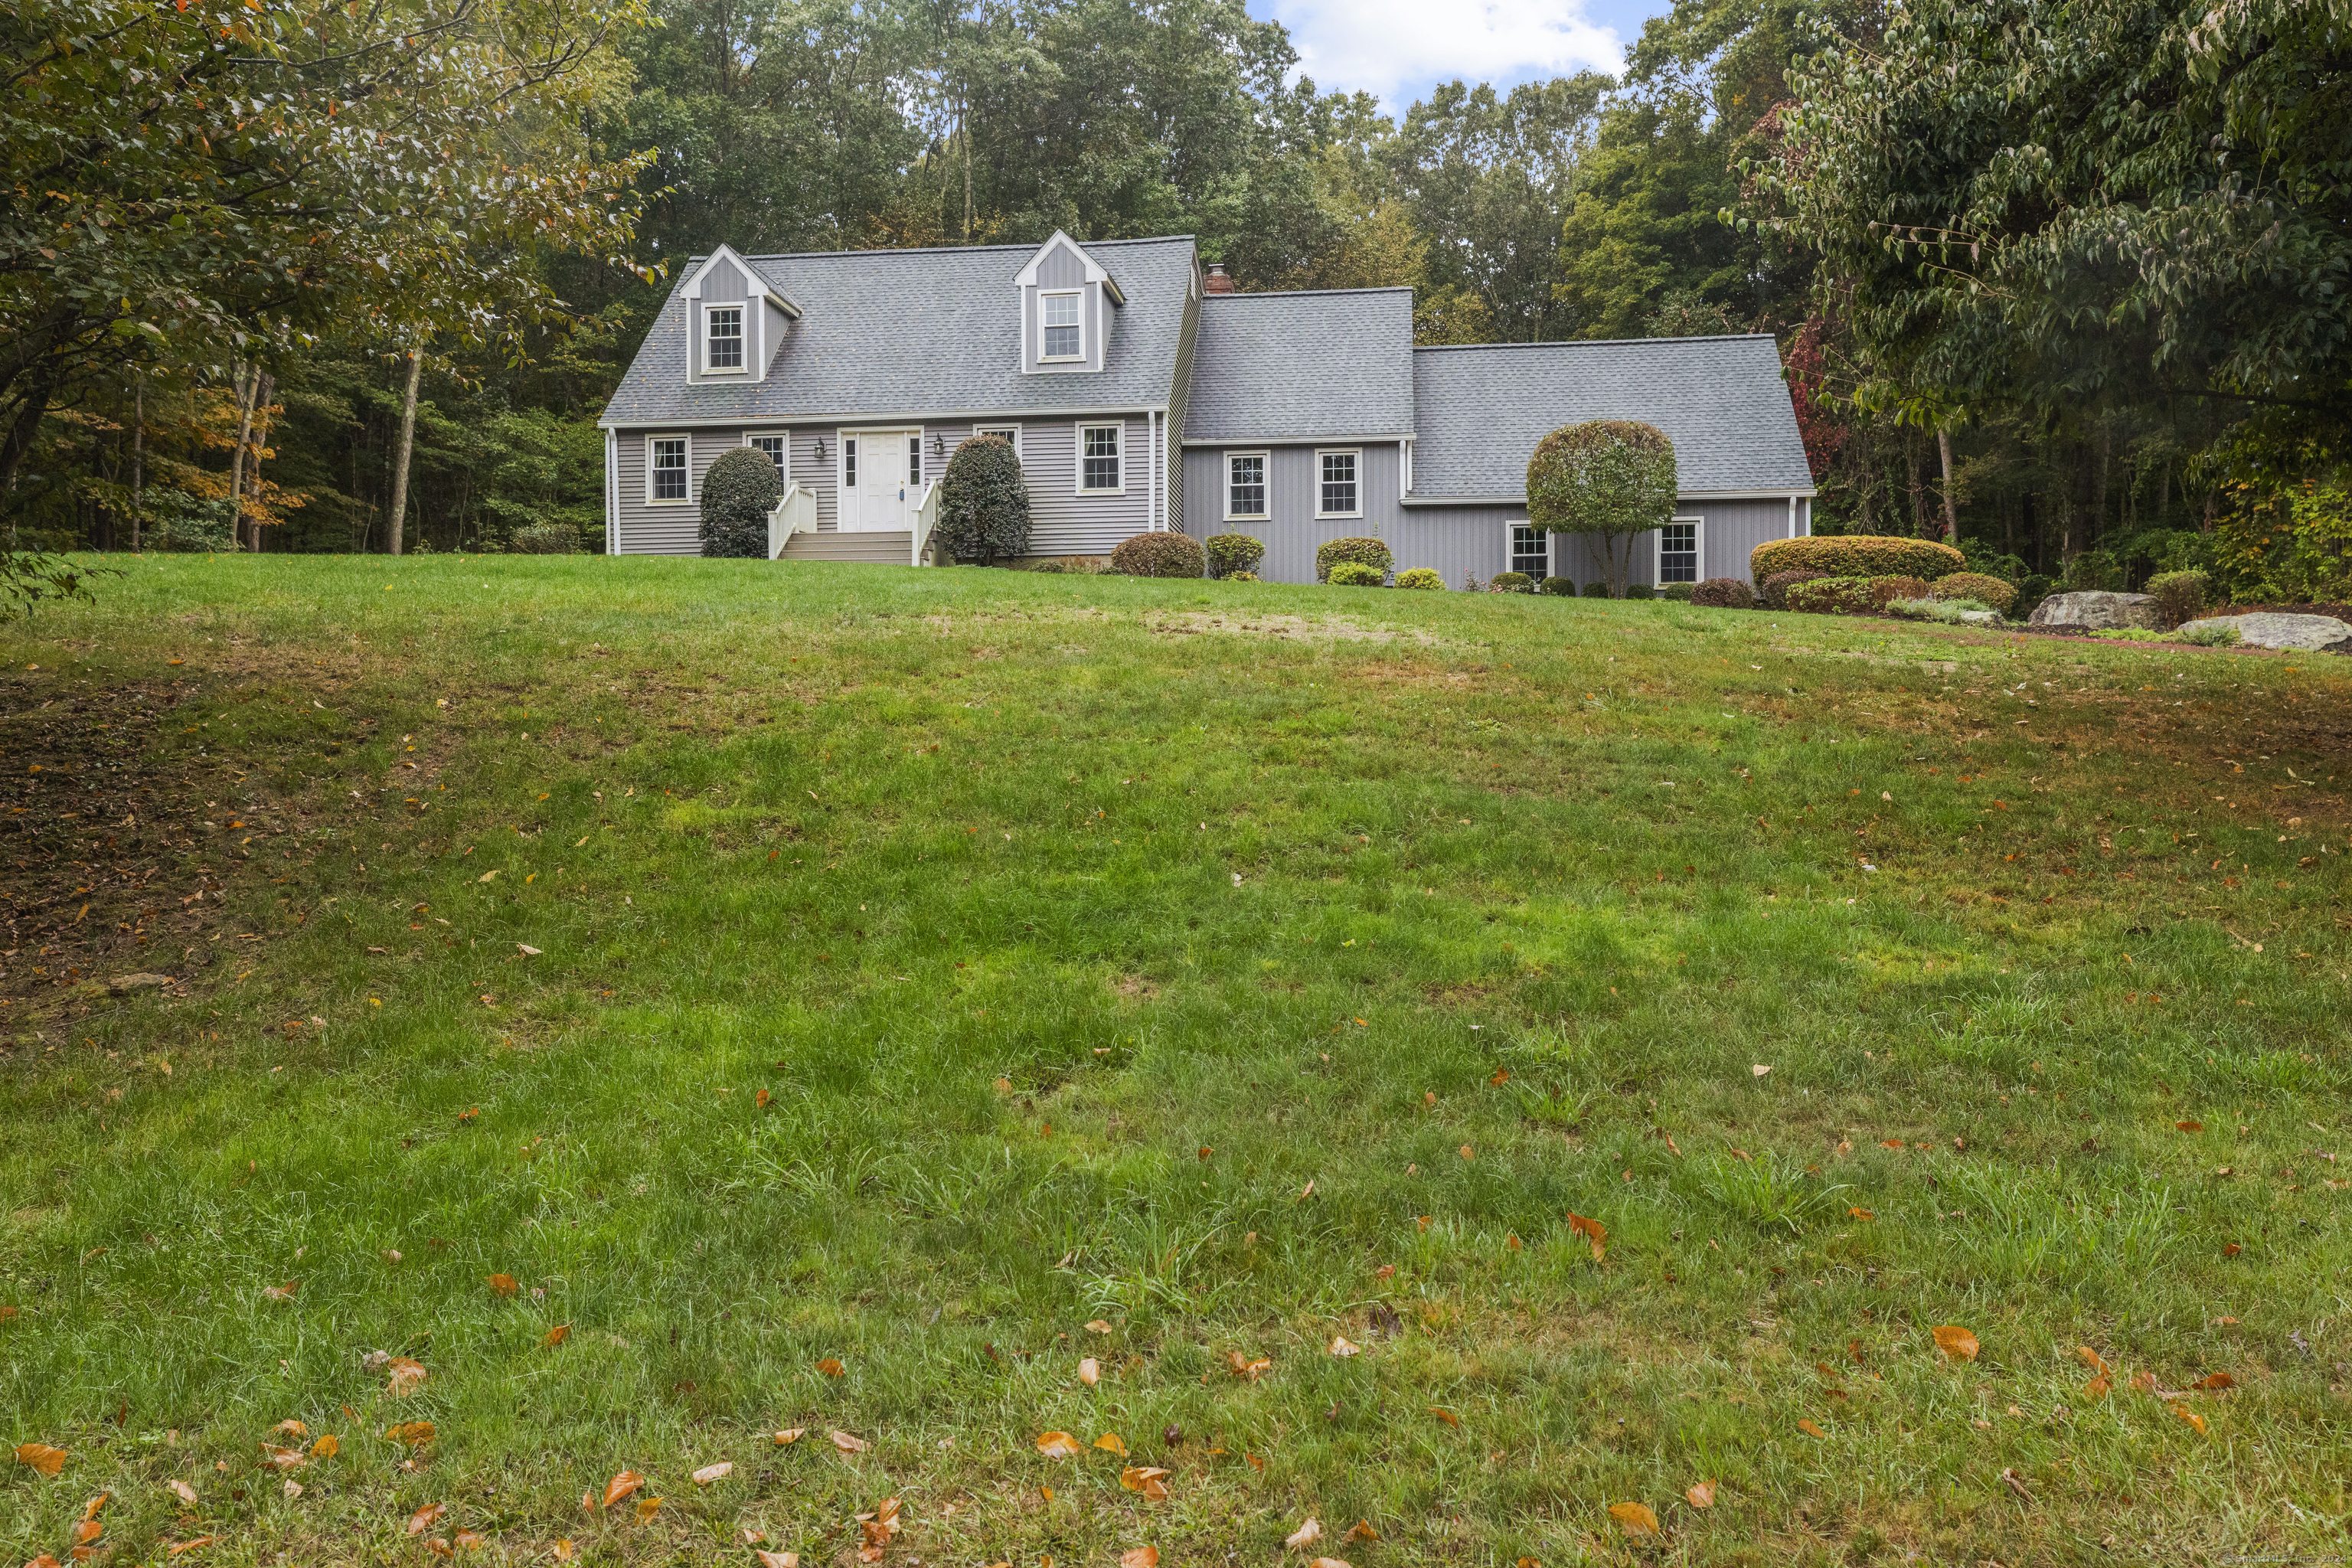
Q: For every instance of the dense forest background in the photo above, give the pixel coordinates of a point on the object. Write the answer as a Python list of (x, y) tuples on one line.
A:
[(1584, 207)]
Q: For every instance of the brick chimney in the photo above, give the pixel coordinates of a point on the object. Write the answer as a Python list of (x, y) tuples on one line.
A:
[(1218, 282)]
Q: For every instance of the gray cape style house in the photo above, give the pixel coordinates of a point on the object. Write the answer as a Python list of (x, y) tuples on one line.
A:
[(1143, 393)]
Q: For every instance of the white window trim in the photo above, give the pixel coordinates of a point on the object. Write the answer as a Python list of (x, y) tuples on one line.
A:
[(1078, 450), (1698, 551), (1011, 430), (864, 436), (742, 309), (1232, 516), (1080, 294), (1551, 563), (1323, 452), (688, 441), (783, 436)]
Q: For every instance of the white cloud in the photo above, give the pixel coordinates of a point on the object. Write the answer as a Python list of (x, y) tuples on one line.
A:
[(1396, 48)]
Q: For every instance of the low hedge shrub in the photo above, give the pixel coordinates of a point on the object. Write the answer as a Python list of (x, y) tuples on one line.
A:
[(1230, 554), (1857, 556), (1356, 574), (1363, 551), (1158, 554), (1679, 593), (1887, 589), (1640, 590), (1724, 594), (1596, 589), (1776, 587), (559, 539), (2180, 595), (1510, 582), (739, 491), (1240, 577), (1833, 597), (1563, 586), (2210, 635), (1419, 577), (1988, 590)]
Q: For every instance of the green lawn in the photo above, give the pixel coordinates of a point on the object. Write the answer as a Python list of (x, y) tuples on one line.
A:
[(931, 962)]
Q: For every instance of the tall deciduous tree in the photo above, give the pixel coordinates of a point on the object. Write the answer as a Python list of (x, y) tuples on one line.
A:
[(2067, 207), (207, 184)]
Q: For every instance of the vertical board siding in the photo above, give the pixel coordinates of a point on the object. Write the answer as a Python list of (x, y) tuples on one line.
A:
[(1291, 532)]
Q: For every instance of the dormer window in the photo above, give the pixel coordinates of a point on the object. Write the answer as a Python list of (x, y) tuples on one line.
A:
[(1061, 313), (722, 338)]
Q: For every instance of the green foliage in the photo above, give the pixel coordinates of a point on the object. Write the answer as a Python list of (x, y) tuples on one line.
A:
[(1356, 574), (1419, 577), (1610, 480), (1510, 582), (983, 503), (1834, 597), (1596, 589), (1988, 591), (1678, 593), (1776, 587), (1562, 587), (31, 578), (2180, 595), (552, 539), (1367, 551), (1950, 612), (1158, 554), (2057, 206), (1724, 594), (1640, 590), (1241, 578), (178, 520), (2211, 633), (2285, 545), (1855, 555), (739, 488), (1230, 554)]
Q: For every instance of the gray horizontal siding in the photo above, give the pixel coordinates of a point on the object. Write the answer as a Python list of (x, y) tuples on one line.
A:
[(1476, 541), (1062, 521), (1291, 532)]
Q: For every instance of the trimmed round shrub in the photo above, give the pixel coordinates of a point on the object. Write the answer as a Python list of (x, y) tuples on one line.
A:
[(563, 539), (1363, 551), (1510, 582), (1419, 577), (1833, 597), (1887, 589), (1724, 594), (1640, 590), (983, 503), (1857, 556), (1356, 574), (738, 492), (1158, 554), (1230, 555), (1610, 480), (1596, 589), (1777, 586), (2179, 597), (1679, 593), (1563, 586), (1983, 587)]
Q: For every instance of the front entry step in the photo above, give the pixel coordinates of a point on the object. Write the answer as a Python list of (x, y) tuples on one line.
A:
[(895, 549)]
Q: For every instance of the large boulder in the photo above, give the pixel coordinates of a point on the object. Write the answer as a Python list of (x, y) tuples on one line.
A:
[(2095, 610), (2299, 634)]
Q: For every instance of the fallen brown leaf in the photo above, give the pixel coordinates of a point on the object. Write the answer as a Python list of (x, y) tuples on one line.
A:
[(2216, 1380), (327, 1446), (1446, 1415), (1701, 1494), (48, 1461), (1362, 1530), (404, 1377), (718, 1473), (1808, 1427), (562, 1550), (1245, 1367), (647, 1507), (1593, 1230), (621, 1486), (411, 1433), (847, 1443), (182, 1491), (1342, 1346), (2091, 1359), (2189, 1416), (292, 1427), (777, 1559), (832, 1368), (1633, 1518), (1140, 1557), (424, 1518), (1305, 1534), (470, 1541), (556, 1335), (788, 1436), (1148, 1479), (179, 1546), (1057, 1445), (281, 1292), (1111, 1442), (1956, 1342), (283, 1459), (504, 1284), (1089, 1370), (1097, 1326)]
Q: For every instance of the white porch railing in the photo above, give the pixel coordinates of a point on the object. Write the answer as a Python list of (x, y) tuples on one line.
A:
[(795, 513), (927, 517)]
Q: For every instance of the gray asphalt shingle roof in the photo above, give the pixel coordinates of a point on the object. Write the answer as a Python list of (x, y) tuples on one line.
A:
[(1721, 401), (1302, 366), (916, 332)]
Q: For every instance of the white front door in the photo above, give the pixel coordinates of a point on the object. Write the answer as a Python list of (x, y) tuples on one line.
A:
[(881, 479)]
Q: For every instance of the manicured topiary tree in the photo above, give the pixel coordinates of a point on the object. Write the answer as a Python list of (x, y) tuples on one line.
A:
[(983, 503), (1610, 480), (738, 492), (1230, 553)]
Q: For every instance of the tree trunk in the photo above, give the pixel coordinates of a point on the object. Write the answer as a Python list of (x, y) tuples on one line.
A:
[(265, 388), (139, 464), (399, 520), (1951, 510), (248, 382)]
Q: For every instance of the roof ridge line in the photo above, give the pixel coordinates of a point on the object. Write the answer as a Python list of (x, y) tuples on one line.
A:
[(1301, 293), (1598, 342), (932, 249)]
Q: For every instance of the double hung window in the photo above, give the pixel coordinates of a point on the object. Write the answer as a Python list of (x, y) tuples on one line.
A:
[(1098, 458), (1678, 552), (1530, 551), (1064, 336), (665, 469), (1338, 495), (1245, 484), (773, 446), (723, 337)]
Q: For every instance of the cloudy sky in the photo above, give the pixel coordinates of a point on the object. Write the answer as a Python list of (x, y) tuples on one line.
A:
[(1399, 48)]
